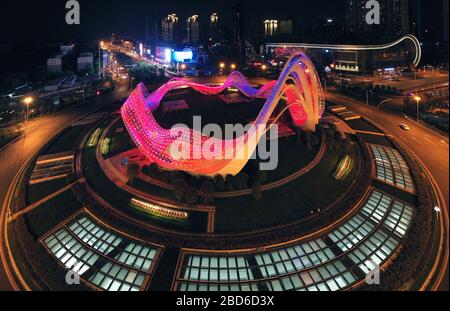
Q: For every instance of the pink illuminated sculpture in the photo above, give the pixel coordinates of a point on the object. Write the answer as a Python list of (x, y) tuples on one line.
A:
[(298, 84)]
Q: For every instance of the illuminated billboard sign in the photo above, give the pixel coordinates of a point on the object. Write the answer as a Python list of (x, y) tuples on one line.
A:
[(184, 56)]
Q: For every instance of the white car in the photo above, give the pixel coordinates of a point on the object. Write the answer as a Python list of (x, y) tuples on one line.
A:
[(404, 127)]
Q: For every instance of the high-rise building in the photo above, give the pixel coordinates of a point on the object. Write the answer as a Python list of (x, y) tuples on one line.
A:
[(151, 30), (274, 27), (238, 31), (169, 28), (286, 27), (193, 29), (445, 17), (394, 17), (432, 20), (238, 24), (214, 28), (270, 27)]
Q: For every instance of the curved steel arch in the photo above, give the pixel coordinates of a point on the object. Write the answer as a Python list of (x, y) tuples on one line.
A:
[(359, 47), (305, 101)]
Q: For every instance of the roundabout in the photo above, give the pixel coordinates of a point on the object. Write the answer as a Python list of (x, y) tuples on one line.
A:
[(344, 201)]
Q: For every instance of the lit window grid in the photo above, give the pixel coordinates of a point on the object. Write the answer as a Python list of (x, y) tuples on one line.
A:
[(114, 277), (70, 252), (278, 274), (214, 269), (293, 258), (375, 250), (74, 256), (94, 236), (362, 224), (329, 277), (392, 168), (376, 206), (80, 252), (399, 218)]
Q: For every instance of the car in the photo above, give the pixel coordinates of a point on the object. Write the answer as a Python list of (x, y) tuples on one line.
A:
[(405, 127)]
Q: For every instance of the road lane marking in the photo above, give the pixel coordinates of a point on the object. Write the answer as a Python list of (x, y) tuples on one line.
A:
[(429, 141)]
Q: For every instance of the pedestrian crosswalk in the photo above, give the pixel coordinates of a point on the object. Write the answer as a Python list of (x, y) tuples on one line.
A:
[(51, 167)]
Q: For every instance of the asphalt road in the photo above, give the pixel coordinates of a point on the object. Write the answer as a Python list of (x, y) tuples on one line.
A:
[(430, 147), (406, 84), (38, 133)]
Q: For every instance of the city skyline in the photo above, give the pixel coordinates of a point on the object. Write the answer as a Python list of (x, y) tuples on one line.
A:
[(127, 18)]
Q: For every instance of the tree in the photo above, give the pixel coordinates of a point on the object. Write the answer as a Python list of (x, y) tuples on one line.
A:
[(219, 182), (299, 135), (179, 188), (230, 182), (153, 169), (315, 140), (256, 190), (260, 177), (308, 141), (346, 143), (174, 175), (208, 190), (241, 180), (330, 137), (191, 196), (132, 172)]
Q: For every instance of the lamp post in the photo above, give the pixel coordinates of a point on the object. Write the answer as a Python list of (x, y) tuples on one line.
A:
[(221, 67), (100, 46), (382, 102), (183, 68), (27, 101), (418, 99)]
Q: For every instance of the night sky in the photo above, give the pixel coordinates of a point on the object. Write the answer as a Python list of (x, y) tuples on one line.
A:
[(44, 20)]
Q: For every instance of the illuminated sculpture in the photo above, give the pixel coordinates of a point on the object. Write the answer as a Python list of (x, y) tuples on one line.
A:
[(298, 84)]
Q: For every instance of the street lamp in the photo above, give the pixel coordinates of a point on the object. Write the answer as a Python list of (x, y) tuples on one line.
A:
[(233, 66), (263, 67), (27, 101), (222, 65), (418, 99), (438, 211), (382, 102), (100, 46)]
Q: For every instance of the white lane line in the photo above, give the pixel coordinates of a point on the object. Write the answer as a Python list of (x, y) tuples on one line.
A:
[(429, 141)]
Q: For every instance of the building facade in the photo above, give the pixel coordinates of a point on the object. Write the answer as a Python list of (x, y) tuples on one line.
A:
[(394, 17), (54, 64), (152, 33), (214, 30), (85, 61), (404, 52), (192, 29), (169, 28)]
